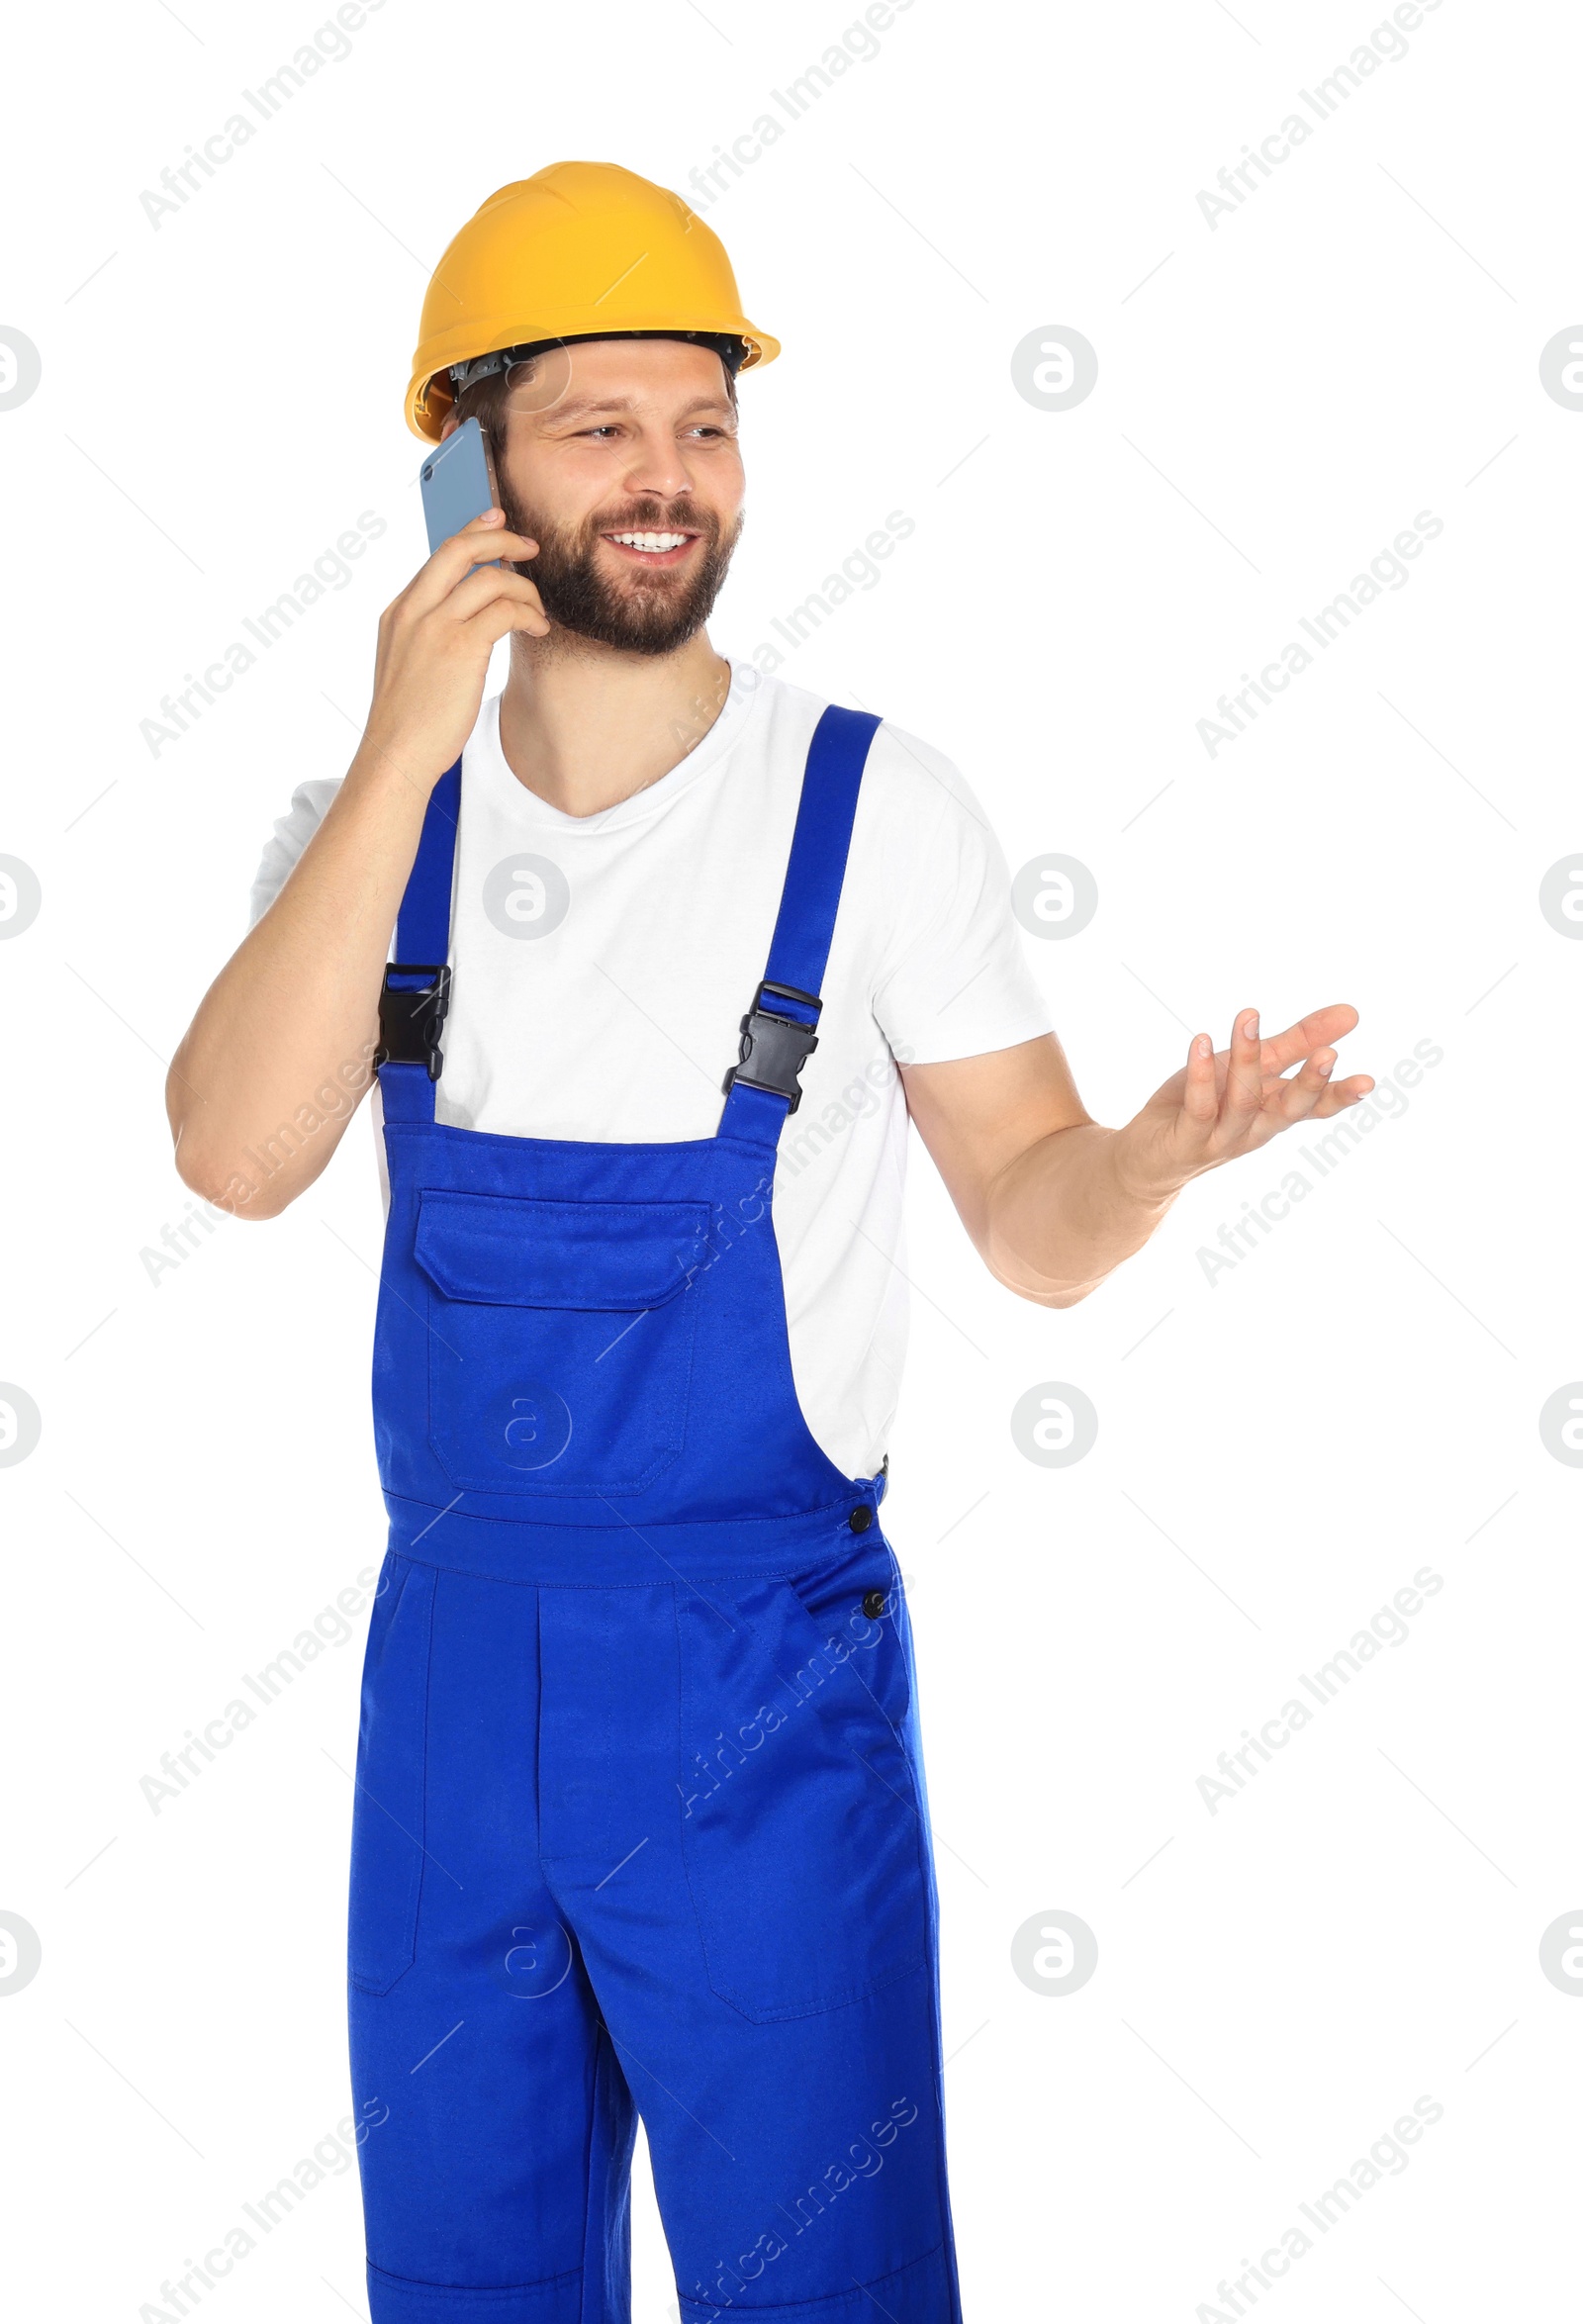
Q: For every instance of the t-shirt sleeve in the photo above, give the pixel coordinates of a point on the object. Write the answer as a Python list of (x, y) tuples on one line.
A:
[(308, 803), (953, 978)]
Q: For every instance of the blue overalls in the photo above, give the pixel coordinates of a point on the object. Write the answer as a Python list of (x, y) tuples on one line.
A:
[(641, 1818)]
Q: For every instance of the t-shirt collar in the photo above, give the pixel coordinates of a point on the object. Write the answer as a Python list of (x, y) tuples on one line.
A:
[(486, 759)]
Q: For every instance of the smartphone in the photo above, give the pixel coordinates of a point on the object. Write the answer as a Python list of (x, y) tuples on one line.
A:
[(457, 481)]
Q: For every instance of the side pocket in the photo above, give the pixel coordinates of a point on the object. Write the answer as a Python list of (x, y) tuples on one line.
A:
[(800, 1826), (387, 1872)]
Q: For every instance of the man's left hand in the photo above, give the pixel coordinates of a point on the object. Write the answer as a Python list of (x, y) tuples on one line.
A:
[(1228, 1102)]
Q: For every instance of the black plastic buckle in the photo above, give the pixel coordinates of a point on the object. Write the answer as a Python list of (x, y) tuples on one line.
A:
[(411, 1017), (775, 1048)]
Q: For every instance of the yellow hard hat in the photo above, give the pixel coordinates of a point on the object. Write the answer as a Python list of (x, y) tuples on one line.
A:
[(580, 250)]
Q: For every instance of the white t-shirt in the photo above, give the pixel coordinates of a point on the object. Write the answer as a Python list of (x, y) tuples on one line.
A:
[(603, 965)]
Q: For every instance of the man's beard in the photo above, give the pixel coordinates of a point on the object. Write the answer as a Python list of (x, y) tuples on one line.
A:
[(650, 614)]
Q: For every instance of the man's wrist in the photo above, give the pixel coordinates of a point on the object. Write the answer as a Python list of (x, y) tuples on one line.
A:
[(1137, 1173), (380, 766)]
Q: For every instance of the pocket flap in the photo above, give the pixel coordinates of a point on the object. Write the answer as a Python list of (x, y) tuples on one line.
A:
[(506, 1250)]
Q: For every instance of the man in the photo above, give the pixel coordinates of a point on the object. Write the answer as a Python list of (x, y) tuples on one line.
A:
[(640, 1819)]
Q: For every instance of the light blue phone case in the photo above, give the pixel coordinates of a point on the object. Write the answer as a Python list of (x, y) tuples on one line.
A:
[(456, 485)]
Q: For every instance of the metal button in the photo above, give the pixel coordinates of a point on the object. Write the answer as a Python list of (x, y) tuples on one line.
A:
[(873, 1604), (861, 1518)]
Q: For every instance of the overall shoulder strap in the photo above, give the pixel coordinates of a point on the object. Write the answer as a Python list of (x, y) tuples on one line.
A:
[(778, 1032), (416, 989)]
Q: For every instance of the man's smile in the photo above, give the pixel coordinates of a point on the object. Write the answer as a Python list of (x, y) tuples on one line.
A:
[(651, 548)]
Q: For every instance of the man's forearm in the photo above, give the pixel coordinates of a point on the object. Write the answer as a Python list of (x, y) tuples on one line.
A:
[(1062, 1216), (279, 1053), (282, 1045)]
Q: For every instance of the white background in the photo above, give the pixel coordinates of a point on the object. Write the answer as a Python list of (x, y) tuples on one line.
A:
[(1278, 1450)]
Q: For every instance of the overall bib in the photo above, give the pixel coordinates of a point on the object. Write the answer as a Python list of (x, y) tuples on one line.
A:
[(640, 1821)]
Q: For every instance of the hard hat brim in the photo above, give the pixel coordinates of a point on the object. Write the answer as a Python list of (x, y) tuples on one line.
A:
[(430, 394)]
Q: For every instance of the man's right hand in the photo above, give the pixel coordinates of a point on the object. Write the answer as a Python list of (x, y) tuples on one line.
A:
[(435, 645), (277, 1057)]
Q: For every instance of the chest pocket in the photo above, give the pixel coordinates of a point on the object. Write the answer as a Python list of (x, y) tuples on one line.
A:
[(560, 1339)]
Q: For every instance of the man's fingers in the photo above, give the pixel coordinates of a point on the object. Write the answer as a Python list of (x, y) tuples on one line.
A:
[(482, 588), (1218, 1121), (1245, 1072), (1300, 1096), (1318, 1029), (503, 614), (1340, 1094), (476, 543), (1200, 1098)]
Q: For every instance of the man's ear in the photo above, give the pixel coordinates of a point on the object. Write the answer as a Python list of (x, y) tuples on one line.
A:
[(449, 427)]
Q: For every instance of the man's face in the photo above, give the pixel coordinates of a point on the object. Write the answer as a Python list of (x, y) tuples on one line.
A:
[(613, 439)]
